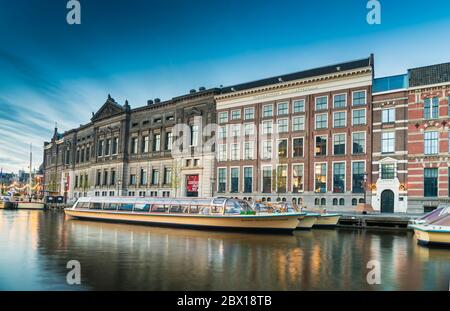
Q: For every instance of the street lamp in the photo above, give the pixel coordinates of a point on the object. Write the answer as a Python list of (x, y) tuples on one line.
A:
[(365, 186), (119, 183)]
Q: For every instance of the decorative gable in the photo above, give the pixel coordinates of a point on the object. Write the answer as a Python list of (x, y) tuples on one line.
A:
[(109, 108)]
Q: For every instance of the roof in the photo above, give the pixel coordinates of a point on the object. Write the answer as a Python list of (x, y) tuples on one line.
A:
[(390, 83), (330, 69), (428, 75)]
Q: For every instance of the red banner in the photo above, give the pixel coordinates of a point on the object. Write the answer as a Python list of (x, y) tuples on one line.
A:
[(192, 183)]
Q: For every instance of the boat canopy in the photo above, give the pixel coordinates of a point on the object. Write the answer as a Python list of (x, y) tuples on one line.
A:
[(436, 214)]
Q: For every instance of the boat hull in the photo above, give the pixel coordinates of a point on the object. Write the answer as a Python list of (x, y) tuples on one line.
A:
[(31, 205), (327, 221), (430, 236), (278, 223), (307, 222)]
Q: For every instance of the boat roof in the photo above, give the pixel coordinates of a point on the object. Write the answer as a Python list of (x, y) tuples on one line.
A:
[(161, 201)]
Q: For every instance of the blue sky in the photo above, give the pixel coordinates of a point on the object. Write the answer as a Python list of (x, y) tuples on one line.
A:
[(140, 49)]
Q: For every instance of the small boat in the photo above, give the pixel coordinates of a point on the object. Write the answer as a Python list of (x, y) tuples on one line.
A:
[(432, 216), (327, 220), (436, 232), (31, 205), (210, 213)]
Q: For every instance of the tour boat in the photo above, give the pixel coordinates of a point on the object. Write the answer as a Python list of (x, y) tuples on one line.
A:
[(436, 232), (327, 220), (215, 213), (305, 223)]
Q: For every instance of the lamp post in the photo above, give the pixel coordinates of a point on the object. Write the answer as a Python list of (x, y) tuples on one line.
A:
[(365, 186), (119, 183)]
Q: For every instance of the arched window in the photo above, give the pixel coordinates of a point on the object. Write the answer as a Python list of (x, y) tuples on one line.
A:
[(361, 200), (354, 202), (316, 201), (323, 201), (341, 202), (263, 199), (335, 201), (294, 200), (283, 199), (269, 199)]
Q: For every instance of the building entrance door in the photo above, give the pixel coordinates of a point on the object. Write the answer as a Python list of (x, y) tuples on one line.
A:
[(192, 182), (387, 201)]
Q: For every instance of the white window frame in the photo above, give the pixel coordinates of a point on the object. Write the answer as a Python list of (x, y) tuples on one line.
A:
[(262, 114), (292, 146), (238, 149), (263, 128), (243, 178), (388, 114), (287, 125), (345, 144), (226, 178), (346, 100), (238, 117), (345, 118), (245, 113), (315, 121), (315, 103), (326, 177), (345, 176), (292, 177), (351, 173), (263, 149), (298, 117), (353, 117), (388, 132), (365, 142), (252, 149), (326, 149), (365, 96), (231, 176), (298, 100), (278, 107), (287, 147), (219, 158), (262, 179), (223, 113)]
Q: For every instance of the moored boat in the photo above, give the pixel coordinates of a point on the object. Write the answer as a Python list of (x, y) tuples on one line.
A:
[(327, 220), (436, 232), (212, 213)]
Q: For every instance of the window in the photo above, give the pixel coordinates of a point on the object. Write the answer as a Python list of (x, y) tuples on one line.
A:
[(113, 178), (283, 126), (98, 179), (267, 111), (340, 101), (267, 127), (430, 182), (282, 179), (236, 130), (339, 119), (144, 147), (388, 142), (155, 177), (100, 149), (107, 148), (143, 177), (431, 108), (298, 124), (234, 180), (388, 171), (297, 145), (282, 109), (358, 169), (322, 103), (339, 144), (267, 149), (431, 143), (88, 153), (249, 113), (321, 121), (76, 181), (248, 179), (359, 117), (321, 145), (298, 106), (222, 152), (169, 141), (249, 129), (167, 175), (235, 114), (132, 179), (359, 98), (115, 145), (388, 115), (223, 117), (282, 148), (339, 177), (267, 179), (156, 142), (320, 178), (223, 132), (105, 178), (194, 135), (134, 142), (359, 142), (297, 181), (221, 180), (234, 152), (248, 150)]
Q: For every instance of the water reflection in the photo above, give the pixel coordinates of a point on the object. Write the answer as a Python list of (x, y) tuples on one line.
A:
[(130, 257)]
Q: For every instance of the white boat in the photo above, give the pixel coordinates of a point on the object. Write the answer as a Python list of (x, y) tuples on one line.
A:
[(212, 213), (31, 205), (327, 220), (436, 232)]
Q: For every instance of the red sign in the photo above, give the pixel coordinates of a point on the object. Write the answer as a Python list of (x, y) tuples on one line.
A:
[(192, 183)]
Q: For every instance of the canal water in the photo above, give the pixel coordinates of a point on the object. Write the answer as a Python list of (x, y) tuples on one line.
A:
[(35, 247)]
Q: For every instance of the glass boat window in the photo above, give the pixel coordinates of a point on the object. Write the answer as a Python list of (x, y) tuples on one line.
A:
[(126, 207), (110, 206), (194, 209), (95, 205), (205, 211), (83, 205), (176, 209), (262, 207), (219, 201), (158, 208), (140, 207), (216, 210), (233, 207)]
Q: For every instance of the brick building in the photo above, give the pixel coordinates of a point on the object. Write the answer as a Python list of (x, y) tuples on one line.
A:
[(428, 137), (303, 137)]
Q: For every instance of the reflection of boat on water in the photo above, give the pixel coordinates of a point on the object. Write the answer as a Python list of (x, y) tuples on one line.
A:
[(435, 230), (215, 213)]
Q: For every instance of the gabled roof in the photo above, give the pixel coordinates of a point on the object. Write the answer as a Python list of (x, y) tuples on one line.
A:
[(428, 75), (109, 108), (330, 69)]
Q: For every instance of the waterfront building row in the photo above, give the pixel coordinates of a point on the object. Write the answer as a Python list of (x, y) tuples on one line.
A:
[(329, 137)]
